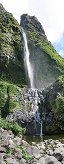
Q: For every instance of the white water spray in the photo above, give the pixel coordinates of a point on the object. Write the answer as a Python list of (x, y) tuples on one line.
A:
[(33, 95), (41, 129), (26, 59)]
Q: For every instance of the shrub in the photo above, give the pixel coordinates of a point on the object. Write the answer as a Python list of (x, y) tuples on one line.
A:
[(13, 126)]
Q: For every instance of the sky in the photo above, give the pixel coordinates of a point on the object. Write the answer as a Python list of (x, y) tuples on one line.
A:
[(49, 12)]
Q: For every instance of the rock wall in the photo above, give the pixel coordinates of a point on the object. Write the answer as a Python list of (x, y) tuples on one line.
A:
[(47, 64)]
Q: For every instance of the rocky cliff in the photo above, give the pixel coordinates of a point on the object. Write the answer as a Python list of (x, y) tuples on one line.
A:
[(17, 103), (47, 64), (11, 49), (52, 107)]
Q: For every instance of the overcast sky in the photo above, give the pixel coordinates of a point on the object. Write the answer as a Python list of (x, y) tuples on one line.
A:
[(49, 12)]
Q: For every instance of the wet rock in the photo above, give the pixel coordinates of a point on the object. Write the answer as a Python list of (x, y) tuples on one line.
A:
[(58, 156)]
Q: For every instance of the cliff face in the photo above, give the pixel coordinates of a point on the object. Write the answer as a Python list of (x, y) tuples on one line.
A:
[(47, 64), (53, 107), (11, 49)]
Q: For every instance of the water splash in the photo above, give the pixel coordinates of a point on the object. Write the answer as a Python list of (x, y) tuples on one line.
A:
[(26, 59)]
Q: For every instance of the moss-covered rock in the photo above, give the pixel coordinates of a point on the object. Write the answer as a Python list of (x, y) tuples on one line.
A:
[(9, 98), (11, 49), (53, 107)]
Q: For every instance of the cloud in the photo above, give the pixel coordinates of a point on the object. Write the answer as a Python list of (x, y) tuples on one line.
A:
[(51, 15), (49, 12), (61, 52), (17, 7), (59, 45)]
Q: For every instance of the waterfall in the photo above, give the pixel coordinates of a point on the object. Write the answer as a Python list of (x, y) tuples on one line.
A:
[(26, 59), (41, 129), (33, 93)]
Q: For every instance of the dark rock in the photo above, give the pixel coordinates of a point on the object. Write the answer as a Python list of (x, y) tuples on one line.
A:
[(58, 156)]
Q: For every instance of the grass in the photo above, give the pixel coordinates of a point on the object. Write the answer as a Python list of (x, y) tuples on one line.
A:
[(61, 80), (25, 155), (37, 39)]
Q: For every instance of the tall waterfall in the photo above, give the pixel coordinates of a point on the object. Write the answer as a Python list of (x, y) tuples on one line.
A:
[(33, 93), (26, 59)]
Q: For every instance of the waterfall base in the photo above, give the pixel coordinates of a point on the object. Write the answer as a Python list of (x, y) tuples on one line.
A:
[(29, 116)]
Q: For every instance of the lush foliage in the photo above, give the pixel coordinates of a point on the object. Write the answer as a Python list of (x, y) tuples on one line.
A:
[(38, 40), (13, 126), (11, 49), (9, 98)]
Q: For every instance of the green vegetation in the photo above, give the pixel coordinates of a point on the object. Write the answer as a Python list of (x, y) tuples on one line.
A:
[(47, 64), (37, 39), (56, 97), (13, 126), (6, 162), (25, 155), (60, 104), (61, 80), (9, 99), (11, 49)]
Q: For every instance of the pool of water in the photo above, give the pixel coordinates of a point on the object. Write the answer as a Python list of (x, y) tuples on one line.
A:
[(38, 139)]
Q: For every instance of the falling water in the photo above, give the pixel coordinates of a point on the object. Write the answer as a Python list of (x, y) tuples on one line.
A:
[(33, 95), (41, 129), (26, 59)]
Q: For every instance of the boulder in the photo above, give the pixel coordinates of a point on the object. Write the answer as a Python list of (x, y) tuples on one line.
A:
[(58, 156), (51, 160)]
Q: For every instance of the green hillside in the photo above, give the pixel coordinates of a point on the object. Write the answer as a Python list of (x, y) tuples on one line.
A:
[(11, 49), (47, 63)]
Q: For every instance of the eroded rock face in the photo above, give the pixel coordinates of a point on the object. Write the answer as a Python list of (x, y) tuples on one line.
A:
[(43, 62)]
